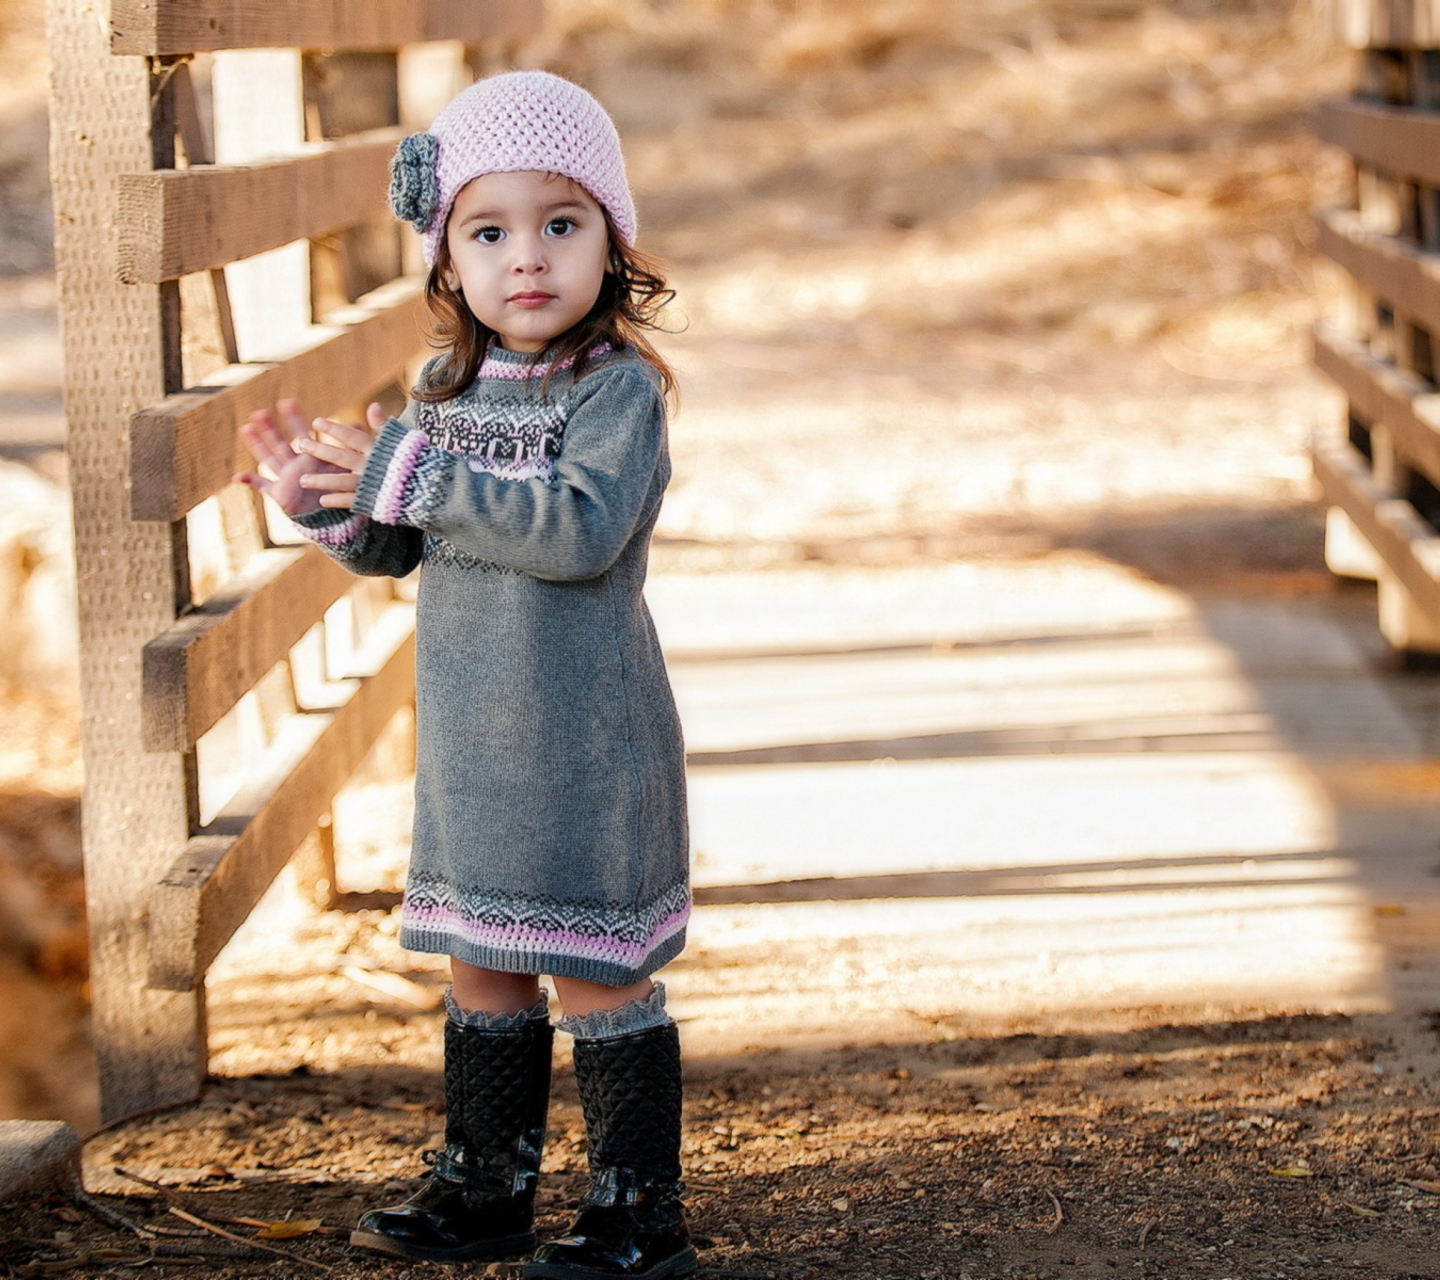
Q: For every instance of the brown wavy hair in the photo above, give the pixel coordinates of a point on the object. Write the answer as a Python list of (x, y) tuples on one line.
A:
[(632, 294)]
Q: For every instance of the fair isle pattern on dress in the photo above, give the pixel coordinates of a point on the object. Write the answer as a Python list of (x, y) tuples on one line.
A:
[(515, 437), (497, 927)]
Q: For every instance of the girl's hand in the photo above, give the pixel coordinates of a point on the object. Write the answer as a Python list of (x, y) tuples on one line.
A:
[(281, 466), (340, 458)]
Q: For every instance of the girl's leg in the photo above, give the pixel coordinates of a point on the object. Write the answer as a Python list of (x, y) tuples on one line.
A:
[(627, 1068), (478, 990), (580, 998), (477, 1202)]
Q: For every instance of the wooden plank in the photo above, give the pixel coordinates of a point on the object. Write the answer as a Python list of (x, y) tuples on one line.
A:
[(184, 448), (210, 889), (1383, 24), (150, 1045), (202, 665), (179, 221), (1409, 547), (194, 26), (1404, 276), (1385, 395), (1399, 141)]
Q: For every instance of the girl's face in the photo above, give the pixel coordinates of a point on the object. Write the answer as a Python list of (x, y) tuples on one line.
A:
[(528, 253)]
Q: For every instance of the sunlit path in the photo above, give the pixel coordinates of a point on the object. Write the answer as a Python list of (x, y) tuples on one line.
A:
[(926, 797)]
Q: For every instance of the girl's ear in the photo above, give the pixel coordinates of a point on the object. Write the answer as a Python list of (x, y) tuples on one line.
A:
[(452, 282)]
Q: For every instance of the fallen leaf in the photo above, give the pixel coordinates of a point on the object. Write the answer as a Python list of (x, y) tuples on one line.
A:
[(291, 1230), (215, 1173), (841, 1206), (1430, 1188), (1294, 1171), (1364, 1212)]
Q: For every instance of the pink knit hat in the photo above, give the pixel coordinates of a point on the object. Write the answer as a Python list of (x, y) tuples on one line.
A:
[(514, 121)]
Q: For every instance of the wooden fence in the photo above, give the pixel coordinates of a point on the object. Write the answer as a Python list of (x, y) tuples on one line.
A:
[(219, 173), (1381, 475)]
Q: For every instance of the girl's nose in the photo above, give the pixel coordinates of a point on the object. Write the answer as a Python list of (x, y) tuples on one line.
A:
[(529, 257)]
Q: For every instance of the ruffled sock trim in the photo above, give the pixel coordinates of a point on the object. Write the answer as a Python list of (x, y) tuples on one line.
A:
[(481, 1020), (630, 1017)]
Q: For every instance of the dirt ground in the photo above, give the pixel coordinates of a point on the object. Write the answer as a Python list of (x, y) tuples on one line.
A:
[(1005, 283)]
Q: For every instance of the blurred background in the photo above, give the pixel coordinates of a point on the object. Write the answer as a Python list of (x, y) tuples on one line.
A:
[(961, 282)]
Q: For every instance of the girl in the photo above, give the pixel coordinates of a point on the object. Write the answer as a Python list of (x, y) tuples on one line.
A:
[(525, 476)]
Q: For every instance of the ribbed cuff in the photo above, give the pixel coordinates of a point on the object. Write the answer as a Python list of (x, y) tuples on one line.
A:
[(630, 1017), (330, 526), (388, 470)]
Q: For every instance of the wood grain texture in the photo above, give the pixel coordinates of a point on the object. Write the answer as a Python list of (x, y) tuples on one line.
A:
[(1399, 141), (1401, 274), (185, 448), (1409, 547), (222, 873), (194, 26), (150, 1045), (178, 221), (205, 663), (1380, 393)]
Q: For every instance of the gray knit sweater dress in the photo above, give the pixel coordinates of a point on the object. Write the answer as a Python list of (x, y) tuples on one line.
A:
[(550, 827)]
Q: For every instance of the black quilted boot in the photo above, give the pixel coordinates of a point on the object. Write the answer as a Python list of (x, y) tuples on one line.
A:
[(477, 1203), (632, 1222)]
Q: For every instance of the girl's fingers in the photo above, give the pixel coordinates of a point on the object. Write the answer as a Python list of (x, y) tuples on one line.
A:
[(376, 416), (354, 437), (295, 423), (337, 500), (331, 481), (347, 459), (265, 440)]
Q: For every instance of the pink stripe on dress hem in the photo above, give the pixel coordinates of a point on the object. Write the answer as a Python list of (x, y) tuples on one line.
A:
[(521, 938)]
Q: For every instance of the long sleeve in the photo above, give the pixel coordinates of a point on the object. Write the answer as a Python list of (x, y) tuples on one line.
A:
[(359, 543), (568, 527)]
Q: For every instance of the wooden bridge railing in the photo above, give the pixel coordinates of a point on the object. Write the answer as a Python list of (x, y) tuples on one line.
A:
[(219, 174), (1381, 474)]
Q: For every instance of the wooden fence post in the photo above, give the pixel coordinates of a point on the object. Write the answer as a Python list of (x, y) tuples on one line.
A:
[(1381, 472), (122, 347)]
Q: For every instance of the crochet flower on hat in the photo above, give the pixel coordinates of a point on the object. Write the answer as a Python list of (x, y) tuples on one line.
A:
[(414, 191)]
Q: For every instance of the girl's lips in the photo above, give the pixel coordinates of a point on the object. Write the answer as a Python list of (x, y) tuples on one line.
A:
[(532, 299)]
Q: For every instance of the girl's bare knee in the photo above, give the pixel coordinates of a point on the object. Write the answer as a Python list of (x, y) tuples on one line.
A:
[(580, 998), (490, 990)]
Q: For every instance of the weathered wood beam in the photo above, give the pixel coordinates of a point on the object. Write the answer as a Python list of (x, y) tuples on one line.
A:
[(193, 26), (226, 868), (1408, 545), (184, 448), (121, 346), (177, 221), (205, 663), (1381, 393), (1401, 274), (1399, 141)]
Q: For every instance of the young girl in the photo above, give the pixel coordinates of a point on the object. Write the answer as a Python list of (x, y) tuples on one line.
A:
[(525, 476)]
